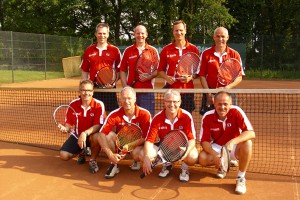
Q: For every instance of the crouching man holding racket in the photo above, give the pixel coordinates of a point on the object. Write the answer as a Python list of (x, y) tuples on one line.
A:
[(130, 120), (175, 129), (82, 118), (228, 126)]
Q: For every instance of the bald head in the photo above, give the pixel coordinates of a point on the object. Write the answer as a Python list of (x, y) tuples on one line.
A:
[(221, 30), (140, 28)]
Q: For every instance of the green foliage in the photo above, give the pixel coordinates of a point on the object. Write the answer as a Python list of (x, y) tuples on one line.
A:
[(78, 18), (272, 74)]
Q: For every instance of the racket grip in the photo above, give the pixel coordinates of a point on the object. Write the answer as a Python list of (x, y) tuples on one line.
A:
[(166, 86), (142, 175), (132, 84)]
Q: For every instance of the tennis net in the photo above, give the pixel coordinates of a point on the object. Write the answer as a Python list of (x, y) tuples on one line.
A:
[(26, 118)]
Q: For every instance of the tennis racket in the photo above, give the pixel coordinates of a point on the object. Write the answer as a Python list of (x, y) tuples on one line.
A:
[(127, 139), (60, 115), (172, 148), (146, 64), (106, 75), (225, 159), (229, 70), (187, 66)]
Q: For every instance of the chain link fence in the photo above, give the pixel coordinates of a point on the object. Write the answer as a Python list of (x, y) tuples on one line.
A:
[(28, 56), (38, 55)]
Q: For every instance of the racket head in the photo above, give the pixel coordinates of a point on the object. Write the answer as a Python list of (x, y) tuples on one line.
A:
[(106, 75), (129, 135), (60, 117), (229, 70), (188, 64), (225, 159), (147, 63), (173, 146)]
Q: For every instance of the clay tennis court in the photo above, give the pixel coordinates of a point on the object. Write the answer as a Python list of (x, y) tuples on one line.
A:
[(37, 173)]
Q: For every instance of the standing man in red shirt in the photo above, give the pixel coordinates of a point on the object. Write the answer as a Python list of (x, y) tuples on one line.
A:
[(128, 113), (226, 125), (172, 117), (210, 61), (93, 60), (128, 65), (169, 57), (91, 114)]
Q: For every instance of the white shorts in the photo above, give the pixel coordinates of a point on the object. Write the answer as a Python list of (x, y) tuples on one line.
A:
[(218, 148)]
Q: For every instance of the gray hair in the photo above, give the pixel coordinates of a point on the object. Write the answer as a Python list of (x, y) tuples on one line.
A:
[(102, 25), (130, 89), (223, 93), (172, 92)]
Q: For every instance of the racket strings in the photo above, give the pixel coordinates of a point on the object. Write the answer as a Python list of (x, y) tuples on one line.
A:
[(106, 75), (228, 71), (130, 136), (60, 117), (225, 159), (144, 65), (188, 64), (173, 147), (147, 63)]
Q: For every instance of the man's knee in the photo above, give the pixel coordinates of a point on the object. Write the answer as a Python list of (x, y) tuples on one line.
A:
[(64, 155), (202, 158)]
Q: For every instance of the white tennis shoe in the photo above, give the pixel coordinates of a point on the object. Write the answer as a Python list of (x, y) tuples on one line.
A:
[(240, 185)]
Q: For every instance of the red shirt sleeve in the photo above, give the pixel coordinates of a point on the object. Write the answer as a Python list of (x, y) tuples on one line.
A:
[(109, 124)]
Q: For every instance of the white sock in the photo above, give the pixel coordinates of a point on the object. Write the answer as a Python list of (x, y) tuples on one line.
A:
[(184, 166), (241, 174)]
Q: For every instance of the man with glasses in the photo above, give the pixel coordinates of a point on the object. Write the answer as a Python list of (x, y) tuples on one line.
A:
[(91, 114), (170, 118)]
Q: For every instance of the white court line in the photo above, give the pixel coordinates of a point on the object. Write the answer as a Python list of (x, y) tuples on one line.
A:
[(161, 188)]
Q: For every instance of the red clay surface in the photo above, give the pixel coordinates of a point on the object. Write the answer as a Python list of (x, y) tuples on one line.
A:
[(36, 173), (74, 82)]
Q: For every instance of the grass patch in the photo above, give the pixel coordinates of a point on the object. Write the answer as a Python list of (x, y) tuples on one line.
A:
[(273, 74), (24, 76)]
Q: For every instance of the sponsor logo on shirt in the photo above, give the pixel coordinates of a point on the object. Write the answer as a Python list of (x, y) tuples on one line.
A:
[(171, 55), (163, 127), (122, 123), (131, 57), (215, 129), (93, 54)]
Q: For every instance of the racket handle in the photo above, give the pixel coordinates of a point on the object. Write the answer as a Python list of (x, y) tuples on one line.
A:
[(166, 86), (132, 84), (142, 175)]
